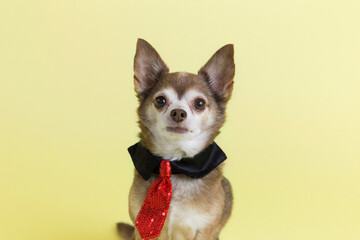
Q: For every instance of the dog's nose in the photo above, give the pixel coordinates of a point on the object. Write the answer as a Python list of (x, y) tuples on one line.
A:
[(178, 115)]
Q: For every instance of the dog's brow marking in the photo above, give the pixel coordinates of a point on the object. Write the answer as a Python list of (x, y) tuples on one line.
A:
[(192, 94)]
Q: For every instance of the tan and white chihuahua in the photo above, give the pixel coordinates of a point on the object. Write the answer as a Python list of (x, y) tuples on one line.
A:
[(180, 114)]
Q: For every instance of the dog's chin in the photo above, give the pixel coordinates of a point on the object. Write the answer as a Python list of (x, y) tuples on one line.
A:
[(178, 142), (177, 130), (176, 133)]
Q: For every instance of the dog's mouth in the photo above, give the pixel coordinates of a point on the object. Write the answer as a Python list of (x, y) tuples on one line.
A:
[(178, 130)]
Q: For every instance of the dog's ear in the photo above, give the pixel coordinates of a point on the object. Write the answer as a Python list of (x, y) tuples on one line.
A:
[(219, 71), (148, 66)]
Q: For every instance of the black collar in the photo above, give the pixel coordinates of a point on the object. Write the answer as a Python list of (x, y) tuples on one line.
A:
[(197, 167)]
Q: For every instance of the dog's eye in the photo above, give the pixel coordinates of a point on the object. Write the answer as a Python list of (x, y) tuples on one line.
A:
[(199, 104), (160, 102)]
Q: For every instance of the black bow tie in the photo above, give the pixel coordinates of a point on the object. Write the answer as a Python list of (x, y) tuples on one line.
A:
[(196, 167)]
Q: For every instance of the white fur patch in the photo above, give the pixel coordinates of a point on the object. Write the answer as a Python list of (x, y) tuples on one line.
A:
[(182, 215), (189, 218)]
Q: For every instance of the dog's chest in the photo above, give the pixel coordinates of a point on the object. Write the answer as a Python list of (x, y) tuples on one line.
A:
[(185, 216)]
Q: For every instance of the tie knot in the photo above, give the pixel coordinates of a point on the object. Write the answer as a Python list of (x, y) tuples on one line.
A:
[(165, 168)]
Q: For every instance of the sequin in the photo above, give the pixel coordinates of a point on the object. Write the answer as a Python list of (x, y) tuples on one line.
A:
[(152, 215)]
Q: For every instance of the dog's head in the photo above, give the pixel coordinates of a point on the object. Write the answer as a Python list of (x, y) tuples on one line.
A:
[(181, 113)]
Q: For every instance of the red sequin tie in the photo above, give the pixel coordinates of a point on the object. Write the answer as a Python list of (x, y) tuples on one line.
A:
[(152, 215)]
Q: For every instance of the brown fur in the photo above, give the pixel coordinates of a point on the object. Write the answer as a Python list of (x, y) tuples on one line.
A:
[(210, 197)]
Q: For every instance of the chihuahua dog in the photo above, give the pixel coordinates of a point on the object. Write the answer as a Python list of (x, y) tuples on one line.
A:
[(180, 114)]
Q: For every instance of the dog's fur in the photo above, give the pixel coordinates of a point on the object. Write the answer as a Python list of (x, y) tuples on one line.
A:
[(199, 207)]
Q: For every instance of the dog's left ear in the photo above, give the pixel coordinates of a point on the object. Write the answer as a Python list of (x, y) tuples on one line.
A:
[(148, 67), (219, 71)]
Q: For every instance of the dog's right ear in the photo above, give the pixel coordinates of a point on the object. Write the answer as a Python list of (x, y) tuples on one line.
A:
[(148, 67)]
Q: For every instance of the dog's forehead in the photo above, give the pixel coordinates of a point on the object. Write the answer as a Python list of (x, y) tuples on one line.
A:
[(184, 83)]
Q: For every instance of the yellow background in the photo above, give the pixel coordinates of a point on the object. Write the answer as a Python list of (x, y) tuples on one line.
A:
[(67, 112)]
